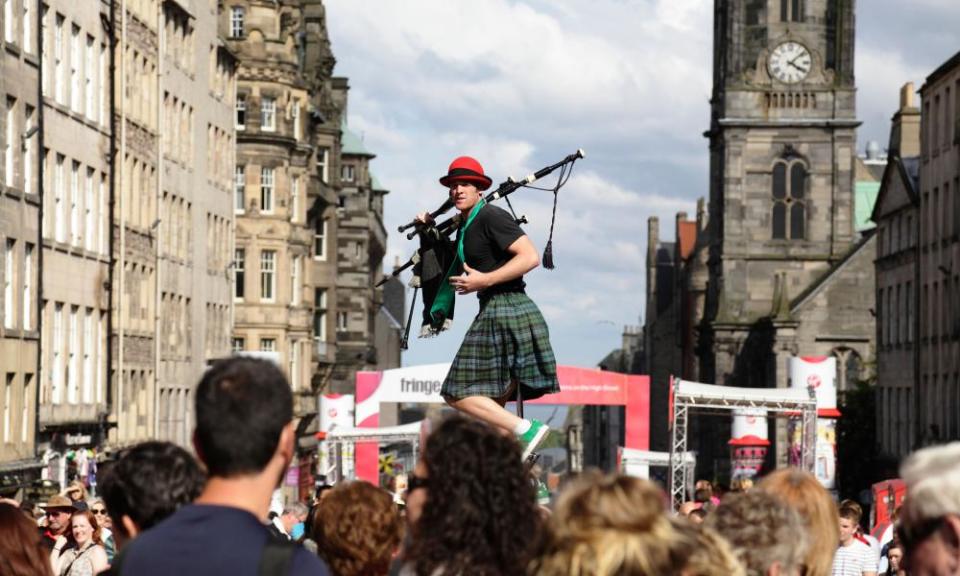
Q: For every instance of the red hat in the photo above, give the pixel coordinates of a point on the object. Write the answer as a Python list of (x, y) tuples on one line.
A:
[(466, 168)]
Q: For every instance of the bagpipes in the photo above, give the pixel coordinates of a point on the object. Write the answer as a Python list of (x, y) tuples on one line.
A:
[(436, 253)]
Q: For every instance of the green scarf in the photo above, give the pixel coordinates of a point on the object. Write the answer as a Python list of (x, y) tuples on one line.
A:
[(442, 308)]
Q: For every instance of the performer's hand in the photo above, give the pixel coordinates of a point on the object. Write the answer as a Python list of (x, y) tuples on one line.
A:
[(424, 218), (470, 281)]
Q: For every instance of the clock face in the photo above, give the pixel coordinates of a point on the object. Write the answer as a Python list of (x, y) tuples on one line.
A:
[(790, 62)]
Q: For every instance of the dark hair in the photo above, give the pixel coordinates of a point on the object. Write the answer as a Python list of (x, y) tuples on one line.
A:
[(243, 405), (357, 529), (149, 482), (480, 515), (21, 551), (850, 510)]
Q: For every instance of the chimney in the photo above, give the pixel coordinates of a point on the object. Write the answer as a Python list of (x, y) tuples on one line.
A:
[(653, 240), (905, 129)]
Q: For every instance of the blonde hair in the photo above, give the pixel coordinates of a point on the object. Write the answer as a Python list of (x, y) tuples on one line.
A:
[(605, 525), (802, 491), (712, 556)]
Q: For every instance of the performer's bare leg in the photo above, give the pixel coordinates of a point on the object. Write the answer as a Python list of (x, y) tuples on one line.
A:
[(488, 410)]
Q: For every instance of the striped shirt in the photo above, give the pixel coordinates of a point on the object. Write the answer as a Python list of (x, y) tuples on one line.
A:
[(854, 560)]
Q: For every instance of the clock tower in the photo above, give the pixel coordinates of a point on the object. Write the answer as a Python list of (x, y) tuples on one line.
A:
[(782, 150)]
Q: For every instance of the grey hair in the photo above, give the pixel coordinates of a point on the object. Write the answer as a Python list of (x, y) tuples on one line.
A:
[(762, 530), (298, 509), (932, 476)]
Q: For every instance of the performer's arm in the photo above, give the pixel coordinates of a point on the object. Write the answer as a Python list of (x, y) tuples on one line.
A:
[(524, 259)]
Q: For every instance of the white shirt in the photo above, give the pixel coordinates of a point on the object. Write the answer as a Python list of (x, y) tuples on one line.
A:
[(855, 559)]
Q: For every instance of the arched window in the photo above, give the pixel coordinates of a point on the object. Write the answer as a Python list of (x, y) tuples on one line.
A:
[(789, 200)]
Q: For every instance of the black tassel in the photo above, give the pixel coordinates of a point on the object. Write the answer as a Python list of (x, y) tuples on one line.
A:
[(548, 255)]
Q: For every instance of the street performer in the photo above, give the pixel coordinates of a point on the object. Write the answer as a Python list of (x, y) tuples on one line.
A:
[(508, 344)]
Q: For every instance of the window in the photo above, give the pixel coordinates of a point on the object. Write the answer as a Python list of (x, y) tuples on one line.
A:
[(58, 87), (59, 214), (8, 287), (268, 279), (7, 397), (27, 300), (237, 345), (791, 11), (294, 367), (268, 344), (28, 148), (320, 240), (239, 272), (296, 263), (44, 47), (320, 314), (788, 200), (266, 190), (86, 395), (239, 182), (88, 67), (236, 22), (296, 119), (89, 205), (28, 26), (75, 93), (268, 114), (25, 407), (9, 145), (241, 108), (323, 157), (73, 370), (75, 204), (347, 173), (341, 321), (9, 25), (104, 102), (57, 350), (294, 198)]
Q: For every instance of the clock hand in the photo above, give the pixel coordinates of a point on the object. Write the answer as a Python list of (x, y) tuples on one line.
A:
[(797, 67)]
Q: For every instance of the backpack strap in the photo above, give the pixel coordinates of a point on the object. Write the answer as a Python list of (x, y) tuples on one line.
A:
[(277, 557)]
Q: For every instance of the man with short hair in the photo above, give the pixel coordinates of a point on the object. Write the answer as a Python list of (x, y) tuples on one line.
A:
[(855, 556), (245, 437), (767, 536), (285, 526), (58, 511), (930, 517), (147, 484)]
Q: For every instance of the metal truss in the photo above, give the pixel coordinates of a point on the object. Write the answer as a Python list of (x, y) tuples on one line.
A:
[(687, 396)]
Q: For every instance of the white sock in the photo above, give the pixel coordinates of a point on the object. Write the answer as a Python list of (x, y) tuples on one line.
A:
[(522, 427)]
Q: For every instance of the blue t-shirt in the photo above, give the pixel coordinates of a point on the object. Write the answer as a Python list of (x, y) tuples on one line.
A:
[(201, 539)]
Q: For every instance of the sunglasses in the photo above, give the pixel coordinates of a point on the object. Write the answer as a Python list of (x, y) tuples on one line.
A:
[(414, 482), (99, 511)]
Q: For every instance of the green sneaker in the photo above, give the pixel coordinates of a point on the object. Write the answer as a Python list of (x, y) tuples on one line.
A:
[(533, 437), (543, 494)]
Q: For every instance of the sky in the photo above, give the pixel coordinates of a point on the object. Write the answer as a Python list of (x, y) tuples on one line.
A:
[(521, 84)]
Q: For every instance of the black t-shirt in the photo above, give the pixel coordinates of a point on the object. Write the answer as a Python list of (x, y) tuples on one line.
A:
[(208, 540), (492, 231)]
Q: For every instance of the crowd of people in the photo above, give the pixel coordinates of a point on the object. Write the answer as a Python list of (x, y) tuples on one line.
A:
[(470, 508)]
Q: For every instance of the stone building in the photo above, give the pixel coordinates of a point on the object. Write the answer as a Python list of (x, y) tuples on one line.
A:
[(896, 215), (936, 404), (783, 272), (20, 141)]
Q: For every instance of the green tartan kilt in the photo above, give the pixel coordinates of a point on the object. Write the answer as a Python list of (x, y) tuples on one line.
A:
[(508, 341)]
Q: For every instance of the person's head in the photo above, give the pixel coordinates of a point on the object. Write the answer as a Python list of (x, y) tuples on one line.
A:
[(929, 526), (292, 515), (244, 419), (479, 512), (465, 180), (689, 506), (58, 511), (147, 483), (357, 529), (742, 484), (894, 557), (766, 534), (697, 516), (99, 509), (22, 553), (76, 491), (703, 495), (803, 492), (712, 554), (612, 524), (84, 527), (849, 515)]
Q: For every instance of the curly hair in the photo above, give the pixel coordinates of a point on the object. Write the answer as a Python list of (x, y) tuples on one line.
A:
[(357, 530), (21, 551), (480, 515), (802, 491), (762, 530), (605, 525)]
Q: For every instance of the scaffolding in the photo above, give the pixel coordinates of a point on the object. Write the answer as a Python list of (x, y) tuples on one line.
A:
[(686, 396), (338, 447)]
